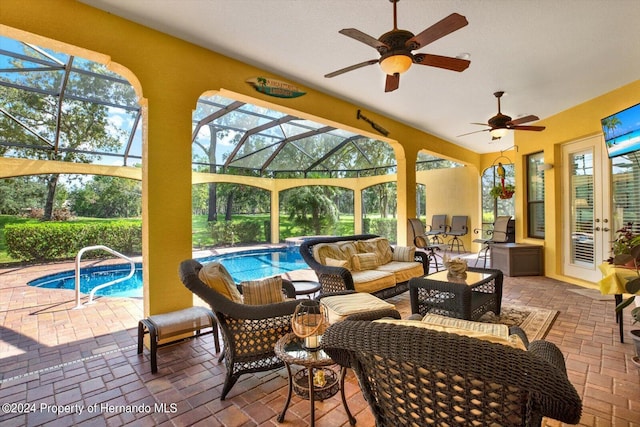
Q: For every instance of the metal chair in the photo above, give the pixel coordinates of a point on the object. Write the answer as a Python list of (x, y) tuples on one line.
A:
[(421, 240), (499, 234), (437, 229), (458, 228)]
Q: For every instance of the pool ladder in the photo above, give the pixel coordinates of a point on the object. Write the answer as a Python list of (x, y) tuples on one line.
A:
[(104, 285)]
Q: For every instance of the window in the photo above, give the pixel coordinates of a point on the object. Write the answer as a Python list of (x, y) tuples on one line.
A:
[(493, 207), (535, 196)]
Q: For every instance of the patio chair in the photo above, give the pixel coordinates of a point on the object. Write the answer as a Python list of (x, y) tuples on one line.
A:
[(412, 375), (422, 240), (437, 229), (249, 332), (458, 229), (499, 234)]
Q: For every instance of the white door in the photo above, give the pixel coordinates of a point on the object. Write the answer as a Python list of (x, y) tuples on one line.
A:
[(587, 221)]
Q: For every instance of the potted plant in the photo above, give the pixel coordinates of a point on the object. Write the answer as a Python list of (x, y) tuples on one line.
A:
[(626, 253), (502, 192)]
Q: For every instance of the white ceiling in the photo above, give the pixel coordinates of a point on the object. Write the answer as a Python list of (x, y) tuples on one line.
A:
[(547, 55)]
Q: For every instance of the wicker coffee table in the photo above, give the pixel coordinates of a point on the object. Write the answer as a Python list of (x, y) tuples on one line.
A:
[(290, 350)]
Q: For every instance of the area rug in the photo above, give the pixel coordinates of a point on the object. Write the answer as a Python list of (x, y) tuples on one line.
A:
[(536, 322)]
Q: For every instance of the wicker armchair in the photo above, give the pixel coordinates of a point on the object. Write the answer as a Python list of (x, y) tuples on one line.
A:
[(249, 332), (420, 377)]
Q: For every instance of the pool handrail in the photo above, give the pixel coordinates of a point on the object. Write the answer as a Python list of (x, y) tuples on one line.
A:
[(103, 285)]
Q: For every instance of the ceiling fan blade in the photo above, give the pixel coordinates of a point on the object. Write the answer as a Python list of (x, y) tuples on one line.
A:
[(393, 82), (365, 38), (446, 62), (534, 128), (438, 30), (351, 68), (525, 119), (481, 124), (465, 134)]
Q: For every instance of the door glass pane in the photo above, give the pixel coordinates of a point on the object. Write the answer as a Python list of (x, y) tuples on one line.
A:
[(582, 208), (625, 173)]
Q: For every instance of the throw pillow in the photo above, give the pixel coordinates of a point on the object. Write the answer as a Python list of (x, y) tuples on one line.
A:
[(263, 291), (365, 261), (332, 262), (214, 275), (404, 253)]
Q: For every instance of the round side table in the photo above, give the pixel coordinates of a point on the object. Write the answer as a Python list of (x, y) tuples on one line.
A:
[(306, 287), (290, 350)]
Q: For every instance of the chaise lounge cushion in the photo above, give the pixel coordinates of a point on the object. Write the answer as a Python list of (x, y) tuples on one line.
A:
[(492, 332), (214, 275)]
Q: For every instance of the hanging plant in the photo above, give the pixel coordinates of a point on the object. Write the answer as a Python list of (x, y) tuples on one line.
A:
[(502, 192)]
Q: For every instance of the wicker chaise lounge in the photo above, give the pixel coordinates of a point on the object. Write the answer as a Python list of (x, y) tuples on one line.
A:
[(249, 332), (412, 376)]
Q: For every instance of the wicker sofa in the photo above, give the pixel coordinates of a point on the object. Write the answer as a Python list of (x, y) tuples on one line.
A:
[(363, 263), (452, 379)]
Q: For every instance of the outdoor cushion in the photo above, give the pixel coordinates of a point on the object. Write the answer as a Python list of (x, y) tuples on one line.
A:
[(403, 271), (378, 245), (372, 280), (263, 291), (218, 278), (332, 250), (340, 306), (492, 332)]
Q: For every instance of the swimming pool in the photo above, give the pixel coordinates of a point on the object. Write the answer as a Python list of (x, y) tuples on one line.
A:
[(244, 265)]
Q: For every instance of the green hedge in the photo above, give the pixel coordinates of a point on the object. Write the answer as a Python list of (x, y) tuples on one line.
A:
[(386, 227), (63, 240), (240, 231)]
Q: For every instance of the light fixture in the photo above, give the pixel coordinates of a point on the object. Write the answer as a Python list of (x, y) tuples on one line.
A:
[(498, 132), (397, 63)]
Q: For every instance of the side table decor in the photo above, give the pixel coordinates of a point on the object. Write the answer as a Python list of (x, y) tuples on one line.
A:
[(456, 267), (308, 323)]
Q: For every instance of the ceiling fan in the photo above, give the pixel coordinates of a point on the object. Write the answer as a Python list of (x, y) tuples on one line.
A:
[(501, 123), (396, 45)]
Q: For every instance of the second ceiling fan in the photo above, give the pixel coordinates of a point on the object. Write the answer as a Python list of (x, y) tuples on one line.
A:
[(395, 48), (501, 123)]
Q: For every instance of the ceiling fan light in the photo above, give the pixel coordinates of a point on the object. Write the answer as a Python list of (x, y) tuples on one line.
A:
[(498, 132), (398, 63)]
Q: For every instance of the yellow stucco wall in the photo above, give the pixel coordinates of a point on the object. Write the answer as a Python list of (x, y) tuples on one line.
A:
[(169, 76), (578, 122)]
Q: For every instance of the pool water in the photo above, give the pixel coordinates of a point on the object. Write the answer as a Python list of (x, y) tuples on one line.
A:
[(245, 265)]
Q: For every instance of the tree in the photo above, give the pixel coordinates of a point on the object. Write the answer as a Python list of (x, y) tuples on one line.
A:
[(312, 208), (57, 107), (107, 197)]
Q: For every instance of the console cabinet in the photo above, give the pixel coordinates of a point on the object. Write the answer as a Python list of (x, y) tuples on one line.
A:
[(517, 259)]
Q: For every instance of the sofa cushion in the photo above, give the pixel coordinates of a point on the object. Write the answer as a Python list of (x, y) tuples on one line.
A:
[(378, 245), (403, 271), (404, 253), (263, 291), (492, 332), (339, 250), (214, 275), (364, 261), (340, 306), (372, 280)]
